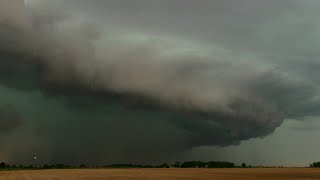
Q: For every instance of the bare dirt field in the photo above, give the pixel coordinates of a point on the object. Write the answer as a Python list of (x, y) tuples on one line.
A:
[(165, 174)]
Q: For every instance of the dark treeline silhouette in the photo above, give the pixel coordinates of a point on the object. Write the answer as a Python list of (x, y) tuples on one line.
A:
[(188, 164), (4, 166), (211, 164), (315, 164)]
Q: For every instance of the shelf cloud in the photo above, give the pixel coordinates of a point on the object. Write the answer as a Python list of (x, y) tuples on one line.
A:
[(106, 87)]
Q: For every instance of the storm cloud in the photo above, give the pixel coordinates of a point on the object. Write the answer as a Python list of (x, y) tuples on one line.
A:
[(104, 87), (10, 119)]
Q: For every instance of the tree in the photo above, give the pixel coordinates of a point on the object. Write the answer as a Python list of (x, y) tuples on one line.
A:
[(315, 164), (3, 165), (177, 164), (243, 165), (194, 164), (164, 165), (46, 166), (214, 164)]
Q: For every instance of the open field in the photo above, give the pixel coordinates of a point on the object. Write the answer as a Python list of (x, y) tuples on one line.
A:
[(115, 174)]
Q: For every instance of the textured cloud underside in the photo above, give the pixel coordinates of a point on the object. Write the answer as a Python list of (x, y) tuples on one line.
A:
[(131, 94)]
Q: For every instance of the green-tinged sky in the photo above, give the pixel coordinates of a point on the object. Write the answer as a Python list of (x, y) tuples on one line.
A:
[(148, 81), (294, 143)]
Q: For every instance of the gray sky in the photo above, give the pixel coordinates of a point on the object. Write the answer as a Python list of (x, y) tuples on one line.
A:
[(232, 80)]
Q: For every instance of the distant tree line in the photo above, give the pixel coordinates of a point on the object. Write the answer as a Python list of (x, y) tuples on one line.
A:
[(4, 166), (315, 164), (211, 164), (189, 164)]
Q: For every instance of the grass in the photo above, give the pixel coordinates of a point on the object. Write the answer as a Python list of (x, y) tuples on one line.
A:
[(167, 173)]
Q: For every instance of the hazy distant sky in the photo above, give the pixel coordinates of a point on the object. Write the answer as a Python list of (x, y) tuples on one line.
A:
[(160, 80)]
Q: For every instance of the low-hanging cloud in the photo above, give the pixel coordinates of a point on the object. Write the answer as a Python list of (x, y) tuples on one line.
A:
[(120, 92)]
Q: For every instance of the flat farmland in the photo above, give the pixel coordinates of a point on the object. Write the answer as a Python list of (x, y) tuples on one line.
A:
[(166, 174)]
